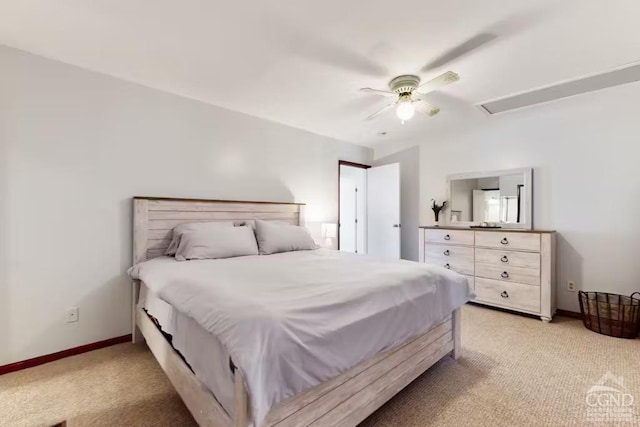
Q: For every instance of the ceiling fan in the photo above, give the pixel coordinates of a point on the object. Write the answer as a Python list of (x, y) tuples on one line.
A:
[(409, 93)]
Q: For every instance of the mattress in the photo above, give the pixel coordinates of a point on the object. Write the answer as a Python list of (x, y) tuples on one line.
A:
[(291, 321), (202, 351)]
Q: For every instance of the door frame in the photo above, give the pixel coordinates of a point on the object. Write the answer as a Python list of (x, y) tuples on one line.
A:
[(354, 165)]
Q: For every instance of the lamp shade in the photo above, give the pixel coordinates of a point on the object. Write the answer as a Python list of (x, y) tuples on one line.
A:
[(329, 230)]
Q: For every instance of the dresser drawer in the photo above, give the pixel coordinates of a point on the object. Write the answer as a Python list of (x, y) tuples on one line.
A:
[(509, 295), (449, 252), (462, 266), (530, 276), (452, 237), (507, 240), (508, 258)]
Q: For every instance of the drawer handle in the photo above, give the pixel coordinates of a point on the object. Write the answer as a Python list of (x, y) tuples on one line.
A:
[(447, 237), (504, 258), (504, 294), (504, 241), (447, 266), (446, 252), (505, 275)]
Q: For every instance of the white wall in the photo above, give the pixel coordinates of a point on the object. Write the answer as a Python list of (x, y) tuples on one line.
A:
[(75, 147), (490, 183), (509, 185), (461, 200), (586, 157), (409, 199)]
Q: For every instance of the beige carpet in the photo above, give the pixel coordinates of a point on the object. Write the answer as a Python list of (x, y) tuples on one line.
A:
[(515, 371)]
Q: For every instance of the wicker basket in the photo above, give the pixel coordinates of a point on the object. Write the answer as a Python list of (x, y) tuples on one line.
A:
[(611, 314)]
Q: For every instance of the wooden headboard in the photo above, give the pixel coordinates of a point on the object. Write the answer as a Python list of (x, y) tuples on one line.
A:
[(155, 217)]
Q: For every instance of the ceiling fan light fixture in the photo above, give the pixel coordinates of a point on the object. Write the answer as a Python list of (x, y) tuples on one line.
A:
[(405, 110), (404, 87)]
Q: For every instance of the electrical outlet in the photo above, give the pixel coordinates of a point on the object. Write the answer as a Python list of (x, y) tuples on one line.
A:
[(571, 286), (72, 315)]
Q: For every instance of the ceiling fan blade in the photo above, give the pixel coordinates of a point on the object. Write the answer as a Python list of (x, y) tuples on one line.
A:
[(425, 107), (396, 60), (377, 92), (507, 27), (382, 110), (322, 49), (459, 51), (440, 81)]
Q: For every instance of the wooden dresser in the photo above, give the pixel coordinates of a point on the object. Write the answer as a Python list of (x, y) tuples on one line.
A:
[(508, 268)]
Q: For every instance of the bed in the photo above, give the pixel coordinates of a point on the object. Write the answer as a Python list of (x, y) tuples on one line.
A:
[(204, 373)]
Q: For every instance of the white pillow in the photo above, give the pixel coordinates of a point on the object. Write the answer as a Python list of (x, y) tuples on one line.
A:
[(179, 230), (214, 243), (274, 237)]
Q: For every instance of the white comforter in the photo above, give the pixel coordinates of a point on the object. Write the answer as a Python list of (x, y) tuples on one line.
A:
[(294, 320)]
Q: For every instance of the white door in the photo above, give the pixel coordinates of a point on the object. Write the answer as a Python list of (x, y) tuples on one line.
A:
[(383, 210)]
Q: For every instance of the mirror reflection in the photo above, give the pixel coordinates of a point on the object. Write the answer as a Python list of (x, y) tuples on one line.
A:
[(496, 199)]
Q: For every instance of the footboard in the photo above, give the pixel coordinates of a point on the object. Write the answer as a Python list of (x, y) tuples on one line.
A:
[(350, 398), (346, 400)]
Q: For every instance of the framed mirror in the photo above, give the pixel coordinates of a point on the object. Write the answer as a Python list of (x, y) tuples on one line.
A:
[(502, 198)]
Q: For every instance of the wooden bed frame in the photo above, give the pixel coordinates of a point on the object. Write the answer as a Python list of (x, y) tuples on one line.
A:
[(345, 400)]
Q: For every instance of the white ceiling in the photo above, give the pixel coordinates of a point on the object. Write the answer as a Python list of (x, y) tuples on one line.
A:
[(302, 62)]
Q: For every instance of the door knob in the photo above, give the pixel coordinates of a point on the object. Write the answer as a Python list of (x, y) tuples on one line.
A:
[(396, 225)]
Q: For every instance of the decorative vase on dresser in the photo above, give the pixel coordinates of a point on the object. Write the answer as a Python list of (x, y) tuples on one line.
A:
[(508, 268)]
